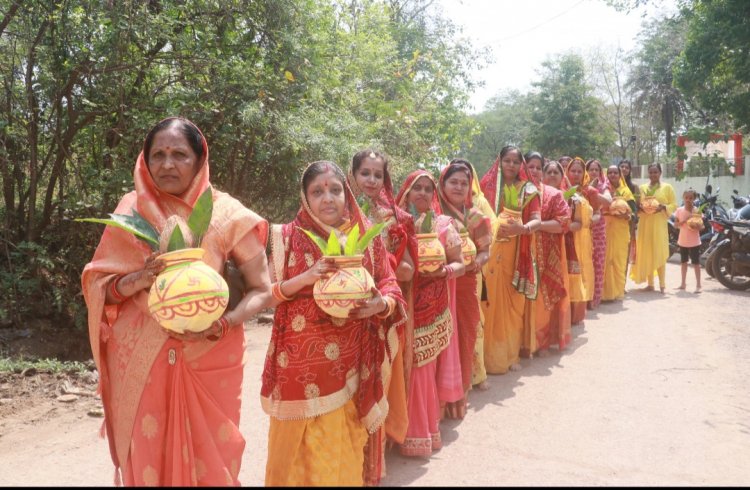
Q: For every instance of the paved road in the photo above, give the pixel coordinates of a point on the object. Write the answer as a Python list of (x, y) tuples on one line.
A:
[(652, 391)]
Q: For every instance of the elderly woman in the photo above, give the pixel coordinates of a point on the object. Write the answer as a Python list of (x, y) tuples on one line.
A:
[(171, 401)]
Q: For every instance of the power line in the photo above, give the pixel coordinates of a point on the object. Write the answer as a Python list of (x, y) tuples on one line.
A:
[(541, 24)]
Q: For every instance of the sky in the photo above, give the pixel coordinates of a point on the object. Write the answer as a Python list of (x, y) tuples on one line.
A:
[(523, 33)]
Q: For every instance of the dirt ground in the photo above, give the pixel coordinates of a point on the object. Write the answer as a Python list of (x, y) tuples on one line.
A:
[(651, 392)]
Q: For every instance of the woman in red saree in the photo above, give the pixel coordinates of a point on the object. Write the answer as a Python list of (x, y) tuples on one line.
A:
[(434, 323), (172, 402), (553, 306), (323, 377), (371, 184), (511, 273), (599, 198), (454, 190)]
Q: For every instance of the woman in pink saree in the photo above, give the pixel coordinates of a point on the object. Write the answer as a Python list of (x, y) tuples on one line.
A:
[(172, 401), (431, 384)]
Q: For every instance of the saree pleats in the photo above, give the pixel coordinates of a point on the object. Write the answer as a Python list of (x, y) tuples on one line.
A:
[(322, 451), (503, 310), (553, 326), (468, 314), (616, 258), (423, 433), (186, 427)]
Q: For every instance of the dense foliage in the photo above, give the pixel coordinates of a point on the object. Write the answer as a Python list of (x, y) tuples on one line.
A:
[(272, 83)]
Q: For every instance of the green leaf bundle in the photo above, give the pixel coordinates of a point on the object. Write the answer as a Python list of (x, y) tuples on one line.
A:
[(569, 193), (354, 244), (426, 226), (510, 197), (200, 218), (369, 235), (135, 224), (702, 207)]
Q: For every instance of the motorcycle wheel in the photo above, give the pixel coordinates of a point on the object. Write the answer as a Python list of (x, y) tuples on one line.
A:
[(710, 266), (722, 265)]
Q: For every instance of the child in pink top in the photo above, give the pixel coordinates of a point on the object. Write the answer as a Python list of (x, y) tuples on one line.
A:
[(689, 239)]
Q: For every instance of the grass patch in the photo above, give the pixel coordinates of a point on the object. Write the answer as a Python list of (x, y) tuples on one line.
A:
[(9, 365)]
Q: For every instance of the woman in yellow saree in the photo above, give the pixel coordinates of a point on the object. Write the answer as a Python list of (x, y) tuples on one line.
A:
[(582, 212), (172, 401), (618, 236), (652, 241), (510, 274)]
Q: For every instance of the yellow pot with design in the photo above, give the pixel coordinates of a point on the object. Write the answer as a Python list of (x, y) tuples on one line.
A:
[(468, 249), (339, 294), (649, 204), (431, 252), (188, 295)]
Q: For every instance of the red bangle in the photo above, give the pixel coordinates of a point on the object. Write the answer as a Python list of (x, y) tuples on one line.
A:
[(223, 329), (119, 298)]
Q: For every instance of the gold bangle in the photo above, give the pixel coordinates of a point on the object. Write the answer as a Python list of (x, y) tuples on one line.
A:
[(277, 293)]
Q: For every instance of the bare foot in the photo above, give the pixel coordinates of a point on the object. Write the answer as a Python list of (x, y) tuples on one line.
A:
[(483, 386), (515, 367), (681, 287), (647, 288), (697, 290), (543, 353), (661, 289)]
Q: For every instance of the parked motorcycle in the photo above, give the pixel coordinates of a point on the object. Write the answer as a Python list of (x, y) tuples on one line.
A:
[(738, 202), (730, 261), (721, 228)]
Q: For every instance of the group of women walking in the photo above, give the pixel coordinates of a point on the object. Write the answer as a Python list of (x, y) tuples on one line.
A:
[(546, 247)]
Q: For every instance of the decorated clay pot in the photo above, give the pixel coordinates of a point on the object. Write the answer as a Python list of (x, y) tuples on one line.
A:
[(188, 295), (695, 222), (338, 294), (619, 207), (507, 217), (649, 204), (468, 249), (431, 252)]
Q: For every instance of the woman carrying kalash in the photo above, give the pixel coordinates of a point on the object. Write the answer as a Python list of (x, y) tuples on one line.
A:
[(553, 303), (454, 190), (371, 184), (511, 273), (479, 373), (172, 401), (652, 242), (323, 377), (618, 218), (433, 320), (581, 293), (599, 198)]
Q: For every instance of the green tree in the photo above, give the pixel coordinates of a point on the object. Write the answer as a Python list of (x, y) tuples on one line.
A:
[(713, 67), (564, 117)]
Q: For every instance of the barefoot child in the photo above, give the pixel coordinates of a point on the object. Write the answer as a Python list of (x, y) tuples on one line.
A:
[(689, 239)]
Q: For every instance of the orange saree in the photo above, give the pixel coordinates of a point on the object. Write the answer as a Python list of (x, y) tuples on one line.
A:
[(171, 407)]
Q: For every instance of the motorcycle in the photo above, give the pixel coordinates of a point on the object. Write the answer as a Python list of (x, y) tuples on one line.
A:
[(738, 202), (730, 261), (712, 210), (721, 230)]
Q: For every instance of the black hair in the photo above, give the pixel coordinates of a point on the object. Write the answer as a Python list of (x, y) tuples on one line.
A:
[(321, 167), (360, 156), (532, 155), (189, 130), (593, 160), (509, 148), (629, 178), (655, 165), (556, 164), (452, 169)]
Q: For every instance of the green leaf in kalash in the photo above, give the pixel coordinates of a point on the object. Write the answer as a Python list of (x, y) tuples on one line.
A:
[(200, 218)]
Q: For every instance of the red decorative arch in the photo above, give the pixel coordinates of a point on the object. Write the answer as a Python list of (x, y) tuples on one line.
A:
[(739, 167)]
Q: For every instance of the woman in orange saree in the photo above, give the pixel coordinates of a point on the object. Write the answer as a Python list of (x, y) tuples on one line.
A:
[(454, 190), (323, 377), (371, 184), (511, 273), (434, 325), (172, 402), (582, 289), (553, 310)]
